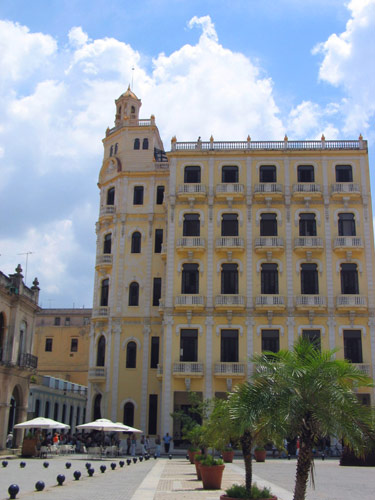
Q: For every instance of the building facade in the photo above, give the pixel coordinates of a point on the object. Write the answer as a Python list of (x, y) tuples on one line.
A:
[(18, 307), (215, 251), (61, 343)]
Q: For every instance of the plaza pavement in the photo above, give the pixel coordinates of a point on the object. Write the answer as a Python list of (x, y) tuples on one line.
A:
[(175, 479)]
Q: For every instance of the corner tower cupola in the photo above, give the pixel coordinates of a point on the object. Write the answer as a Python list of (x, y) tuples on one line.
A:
[(127, 108)]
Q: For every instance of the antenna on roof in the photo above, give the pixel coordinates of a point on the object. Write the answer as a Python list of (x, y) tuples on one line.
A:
[(27, 260), (132, 77)]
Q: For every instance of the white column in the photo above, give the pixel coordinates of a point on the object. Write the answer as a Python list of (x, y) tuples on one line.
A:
[(146, 342), (116, 333), (167, 376), (209, 363), (249, 345), (249, 238)]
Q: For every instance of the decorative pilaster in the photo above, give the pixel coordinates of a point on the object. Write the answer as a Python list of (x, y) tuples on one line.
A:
[(249, 238), (208, 368), (249, 345), (290, 323), (328, 239), (167, 376), (146, 343), (331, 332), (116, 333), (288, 240)]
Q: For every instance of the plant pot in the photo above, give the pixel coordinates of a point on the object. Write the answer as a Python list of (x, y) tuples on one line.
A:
[(260, 455), (225, 497), (198, 469), (212, 476), (228, 456), (29, 447), (192, 455)]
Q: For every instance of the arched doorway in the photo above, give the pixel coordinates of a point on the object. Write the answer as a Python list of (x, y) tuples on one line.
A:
[(129, 414), (15, 404), (97, 411)]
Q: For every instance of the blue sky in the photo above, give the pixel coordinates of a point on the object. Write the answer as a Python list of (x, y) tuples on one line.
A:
[(227, 68)]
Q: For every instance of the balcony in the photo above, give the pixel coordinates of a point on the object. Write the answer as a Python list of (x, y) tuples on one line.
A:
[(308, 301), (307, 189), (229, 243), (104, 261), (350, 190), (191, 301), (347, 243), (270, 302), (101, 312), (97, 374), (268, 190), (351, 302), (229, 370), (191, 243), (163, 252), (107, 211), (235, 191), (159, 372), (24, 360), (309, 243), (191, 191), (364, 368), (188, 369), (267, 243), (231, 301)]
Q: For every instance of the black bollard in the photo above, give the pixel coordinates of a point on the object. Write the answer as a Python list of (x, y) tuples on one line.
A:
[(134, 460), (187, 457), (68, 465), (288, 456), (22, 465), (39, 486), (121, 463), (4, 463), (323, 456), (13, 490), (60, 479), (76, 475), (45, 465), (155, 457), (128, 461), (113, 465), (141, 458), (87, 465), (170, 456), (90, 471)]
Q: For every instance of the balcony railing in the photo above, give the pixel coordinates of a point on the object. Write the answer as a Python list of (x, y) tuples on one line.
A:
[(363, 367), (269, 300), (268, 145), (351, 301), (347, 242), (269, 241), (159, 372), (188, 368), (229, 242), (346, 188), (310, 300), (104, 259), (229, 188), (24, 360), (268, 187), (107, 210), (229, 300), (189, 300), (191, 242), (307, 187), (308, 242), (191, 189), (229, 369), (97, 372), (101, 311)]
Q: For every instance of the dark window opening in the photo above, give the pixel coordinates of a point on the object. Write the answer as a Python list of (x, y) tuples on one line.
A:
[(67, 321), (136, 242), (158, 240), (138, 195), (100, 353), (116, 148), (152, 413), (159, 195), (353, 346), (154, 358), (229, 346), (192, 175), (46, 409), (63, 415), (107, 246), (305, 173), (268, 224), (48, 345), (104, 293), (229, 279), (97, 413), (111, 151), (270, 340), (137, 144), (78, 415), (307, 225), (190, 279), (156, 292), (132, 110), (313, 336), (229, 225), (344, 173), (189, 345), (309, 279), (229, 174), (269, 279), (131, 355), (267, 173), (74, 345), (346, 225), (133, 294), (56, 411), (129, 414), (57, 321), (191, 225), (111, 196), (145, 143), (37, 408), (160, 155), (349, 279)]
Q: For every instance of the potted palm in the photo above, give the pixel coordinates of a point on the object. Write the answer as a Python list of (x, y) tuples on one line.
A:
[(260, 453), (239, 491), (212, 472)]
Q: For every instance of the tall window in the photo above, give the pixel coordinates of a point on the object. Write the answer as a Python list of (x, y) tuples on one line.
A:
[(313, 336), (268, 224), (63, 415), (145, 143), (267, 173), (309, 279), (46, 409), (138, 195), (97, 413), (111, 196), (191, 225), (353, 346), (190, 279), (48, 345), (229, 173), (305, 173), (104, 292), (129, 414), (349, 279), (74, 345), (136, 242), (57, 321), (229, 279), (270, 340), (229, 346), (152, 413), (37, 408), (307, 224), (189, 345), (133, 294), (269, 279), (158, 240), (154, 357), (192, 174), (56, 411), (137, 143), (111, 151), (116, 148), (131, 355), (229, 225), (100, 353), (159, 195), (156, 291), (344, 173), (107, 246), (346, 224)]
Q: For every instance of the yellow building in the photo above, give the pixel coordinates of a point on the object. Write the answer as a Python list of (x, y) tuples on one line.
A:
[(61, 343), (248, 245)]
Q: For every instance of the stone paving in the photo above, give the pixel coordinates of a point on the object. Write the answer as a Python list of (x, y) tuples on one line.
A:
[(175, 479)]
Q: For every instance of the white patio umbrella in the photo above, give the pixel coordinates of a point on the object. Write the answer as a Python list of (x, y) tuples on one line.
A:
[(101, 424), (41, 423), (127, 428)]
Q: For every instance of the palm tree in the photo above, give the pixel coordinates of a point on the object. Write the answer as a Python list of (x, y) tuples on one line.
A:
[(312, 394)]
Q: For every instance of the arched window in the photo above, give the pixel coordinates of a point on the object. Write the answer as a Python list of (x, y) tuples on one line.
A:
[(133, 294), (107, 247), (132, 110), (145, 143), (136, 242), (192, 174), (346, 225), (104, 292), (229, 173), (129, 414), (136, 144), (46, 409), (305, 173), (269, 279), (309, 279), (111, 151), (191, 225), (37, 408), (349, 279), (267, 173), (307, 224), (56, 411), (131, 355), (111, 196), (190, 279), (96, 407), (229, 225), (268, 224), (119, 110), (229, 279), (100, 353), (63, 415), (116, 148)]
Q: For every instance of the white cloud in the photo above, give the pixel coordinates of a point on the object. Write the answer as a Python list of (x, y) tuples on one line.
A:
[(309, 121)]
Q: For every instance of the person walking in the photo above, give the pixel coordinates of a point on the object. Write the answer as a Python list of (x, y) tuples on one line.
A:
[(9, 441), (167, 442)]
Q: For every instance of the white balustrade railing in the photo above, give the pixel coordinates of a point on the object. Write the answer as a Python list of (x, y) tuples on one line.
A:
[(268, 145), (308, 241), (347, 242), (188, 367), (351, 300), (269, 241), (363, 367), (268, 187), (229, 242), (107, 210), (346, 187), (269, 300), (310, 300), (97, 372), (105, 258), (101, 311), (229, 300), (192, 189), (189, 300), (307, 187), (230, 188), (191, 241), (229, 368), (159, 370)]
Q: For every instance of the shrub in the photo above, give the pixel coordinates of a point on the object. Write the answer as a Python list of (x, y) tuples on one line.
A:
[(239, 491), (209, 460)]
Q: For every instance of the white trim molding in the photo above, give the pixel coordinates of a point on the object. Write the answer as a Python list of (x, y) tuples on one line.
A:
[(273, 261), (268, 327), (307, 211), (229, 327), (186, 326), (131, 339), (352, 327), (311, 327), (270, 210)]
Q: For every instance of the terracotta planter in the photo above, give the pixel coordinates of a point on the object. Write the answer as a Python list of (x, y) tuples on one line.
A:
[(29, 447), (192, 455), (198, 469), (228, 456), (260, 455), (225, 497), (212, 476)]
